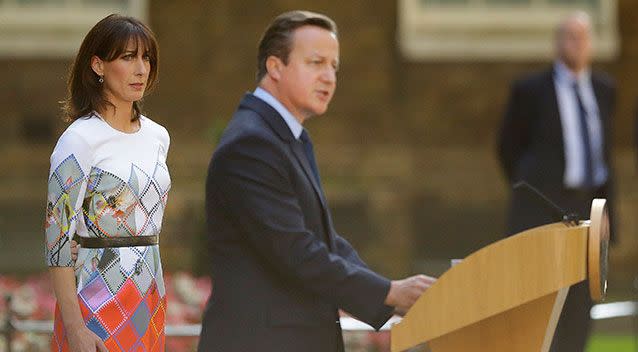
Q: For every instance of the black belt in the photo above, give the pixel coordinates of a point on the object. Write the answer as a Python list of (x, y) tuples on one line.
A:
[(108, 242)]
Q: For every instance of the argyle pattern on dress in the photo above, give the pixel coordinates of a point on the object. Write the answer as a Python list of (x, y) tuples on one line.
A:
[(127, 321), (116, 208), (63, 210), (120, 290)]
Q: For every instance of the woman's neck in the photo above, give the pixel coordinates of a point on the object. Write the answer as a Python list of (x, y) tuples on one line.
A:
[(120, 117)]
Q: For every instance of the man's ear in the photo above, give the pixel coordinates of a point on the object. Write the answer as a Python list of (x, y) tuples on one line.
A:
[(274, 65), (97, 65)]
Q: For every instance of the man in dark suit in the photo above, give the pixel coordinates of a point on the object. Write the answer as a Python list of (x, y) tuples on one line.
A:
[(555, 135), (280, 270)]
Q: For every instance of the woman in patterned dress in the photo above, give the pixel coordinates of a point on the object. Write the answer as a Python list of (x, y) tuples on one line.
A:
[(107, 189)]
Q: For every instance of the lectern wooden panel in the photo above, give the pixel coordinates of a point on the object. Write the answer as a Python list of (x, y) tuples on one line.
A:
[(505, 297)]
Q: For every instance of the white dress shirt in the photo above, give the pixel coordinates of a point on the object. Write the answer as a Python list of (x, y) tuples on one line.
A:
[(568, 109), (295, 126)]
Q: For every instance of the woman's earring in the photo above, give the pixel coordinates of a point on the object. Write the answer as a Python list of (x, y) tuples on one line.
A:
[(101, 80)]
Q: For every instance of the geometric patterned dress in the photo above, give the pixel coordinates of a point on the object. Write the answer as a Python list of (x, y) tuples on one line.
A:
[(107, 183)]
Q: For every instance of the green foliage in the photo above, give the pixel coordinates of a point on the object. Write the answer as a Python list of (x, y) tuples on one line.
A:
[(214, 130)]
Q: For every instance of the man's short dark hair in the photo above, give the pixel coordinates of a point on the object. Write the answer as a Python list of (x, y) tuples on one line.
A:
[(277, 39)]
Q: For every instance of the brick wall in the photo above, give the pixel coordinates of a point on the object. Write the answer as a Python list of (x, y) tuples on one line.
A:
[(406, 149)]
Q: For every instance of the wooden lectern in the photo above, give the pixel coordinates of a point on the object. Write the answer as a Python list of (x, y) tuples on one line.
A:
[(508, 296)]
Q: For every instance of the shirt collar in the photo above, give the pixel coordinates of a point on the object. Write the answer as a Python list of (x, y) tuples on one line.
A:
[(295, 126), (563, 74)]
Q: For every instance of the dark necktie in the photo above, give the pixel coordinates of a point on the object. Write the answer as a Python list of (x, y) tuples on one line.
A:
[(310, 154), (588, 180)]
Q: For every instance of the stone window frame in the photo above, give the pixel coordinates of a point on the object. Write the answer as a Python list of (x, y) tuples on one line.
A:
[(479, 30), (55, 28)]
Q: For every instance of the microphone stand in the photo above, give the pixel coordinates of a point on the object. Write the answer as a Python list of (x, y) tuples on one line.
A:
[(568, 218)]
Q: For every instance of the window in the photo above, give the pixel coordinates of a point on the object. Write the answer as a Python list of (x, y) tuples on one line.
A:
[(497, 29), (55, 28)]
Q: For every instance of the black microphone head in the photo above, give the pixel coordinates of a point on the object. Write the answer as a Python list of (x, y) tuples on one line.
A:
[(571, 218)]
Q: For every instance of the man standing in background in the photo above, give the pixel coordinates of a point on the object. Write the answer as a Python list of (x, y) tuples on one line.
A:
[(555, 135)]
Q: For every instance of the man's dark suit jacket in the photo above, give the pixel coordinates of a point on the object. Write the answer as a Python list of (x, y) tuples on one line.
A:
[(279, 269), (531, 148)]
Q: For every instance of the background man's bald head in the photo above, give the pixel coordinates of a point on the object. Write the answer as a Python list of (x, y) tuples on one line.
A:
[(573, 41)]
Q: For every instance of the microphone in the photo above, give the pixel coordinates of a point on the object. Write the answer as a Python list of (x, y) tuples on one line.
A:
[(568, 218)]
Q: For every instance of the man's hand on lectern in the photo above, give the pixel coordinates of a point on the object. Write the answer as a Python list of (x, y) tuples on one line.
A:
[(403, 293)]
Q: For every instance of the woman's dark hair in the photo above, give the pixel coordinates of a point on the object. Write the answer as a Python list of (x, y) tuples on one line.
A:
[(277, 39), (108, 39)]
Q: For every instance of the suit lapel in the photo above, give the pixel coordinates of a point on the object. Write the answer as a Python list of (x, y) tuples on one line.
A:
[(269, 114), (298, 151), (604, 113), (277, 123), (555, 118), (300, 155), (603, 104), (553, 100)]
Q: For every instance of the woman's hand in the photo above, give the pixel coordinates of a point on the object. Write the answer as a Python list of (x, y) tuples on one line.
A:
[(81, 339), (75, 248)]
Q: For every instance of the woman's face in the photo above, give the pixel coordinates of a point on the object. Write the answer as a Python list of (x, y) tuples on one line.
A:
[(125, 78)]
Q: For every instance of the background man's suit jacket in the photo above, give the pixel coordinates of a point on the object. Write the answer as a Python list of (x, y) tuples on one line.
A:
[(279, 269), (531, 148)]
